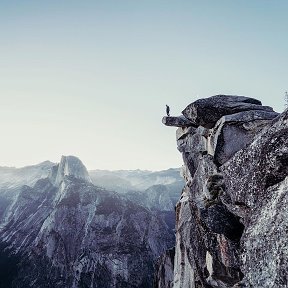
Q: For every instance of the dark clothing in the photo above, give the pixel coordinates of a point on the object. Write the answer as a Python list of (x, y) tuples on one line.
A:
[(167, 110)]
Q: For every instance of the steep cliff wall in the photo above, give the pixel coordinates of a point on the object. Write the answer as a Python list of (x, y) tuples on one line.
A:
[(231, 219)]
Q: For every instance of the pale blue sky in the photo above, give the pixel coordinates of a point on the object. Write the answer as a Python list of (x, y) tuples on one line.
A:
[(91, 78)]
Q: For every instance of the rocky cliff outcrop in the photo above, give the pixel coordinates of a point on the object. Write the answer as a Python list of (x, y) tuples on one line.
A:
[(231, 219)]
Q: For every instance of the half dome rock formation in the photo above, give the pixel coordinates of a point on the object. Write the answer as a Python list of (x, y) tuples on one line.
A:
[(70, 166), (231, 219)]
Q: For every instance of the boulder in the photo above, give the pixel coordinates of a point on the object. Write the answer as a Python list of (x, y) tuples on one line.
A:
[(234, 132), (206, 112)]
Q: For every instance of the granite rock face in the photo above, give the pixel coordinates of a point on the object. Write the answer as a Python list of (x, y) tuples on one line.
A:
[(69, 165), (206, 112), (232, 219), (165, 270), (65, 232), (233, 132)]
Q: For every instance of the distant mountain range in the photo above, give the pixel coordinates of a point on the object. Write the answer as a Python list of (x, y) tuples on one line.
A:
[(118, 180), (62, 226), (125, 180)]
